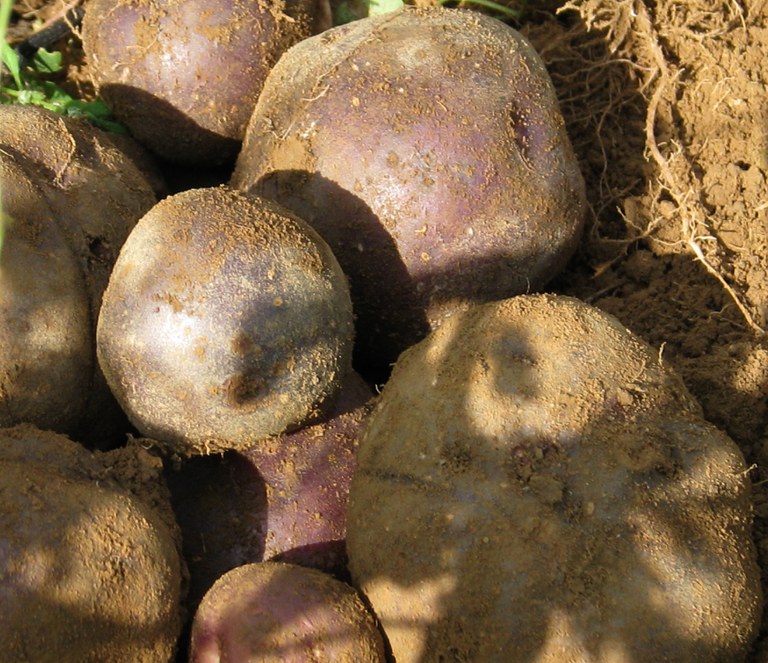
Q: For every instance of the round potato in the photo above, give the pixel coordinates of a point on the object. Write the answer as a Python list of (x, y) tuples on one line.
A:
[(427, 147), (280, 613), (184, 75), (89, 561), (226, 320), (533, 485)]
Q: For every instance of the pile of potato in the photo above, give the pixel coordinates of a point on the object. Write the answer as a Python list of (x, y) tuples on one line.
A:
[(530, 484)]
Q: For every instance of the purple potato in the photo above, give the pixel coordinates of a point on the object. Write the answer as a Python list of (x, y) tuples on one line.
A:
[(283, 499), (281, 613), (226, 320), (427, 147), (184, 75)]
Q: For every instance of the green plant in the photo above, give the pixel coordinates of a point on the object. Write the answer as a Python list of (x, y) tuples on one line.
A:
[(26, 84), (5, 15)]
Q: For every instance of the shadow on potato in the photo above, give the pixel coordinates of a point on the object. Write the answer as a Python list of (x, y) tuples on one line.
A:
[(378, 336), (527, 495), (150, 118)]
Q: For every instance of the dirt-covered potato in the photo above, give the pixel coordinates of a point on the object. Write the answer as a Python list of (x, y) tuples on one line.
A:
[(89, 554), (282, 499), (46, 345), (226, 320), (96, 192), (534, 485), (72, 198), (281, 613), (427, 147), (184, 75)]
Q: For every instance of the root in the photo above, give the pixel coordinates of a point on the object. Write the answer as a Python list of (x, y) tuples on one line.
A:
[(633, 36)]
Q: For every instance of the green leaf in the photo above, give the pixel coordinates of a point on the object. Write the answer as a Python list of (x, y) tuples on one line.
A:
[(31, 96), (377, 7), (10, 59), (47, 62)]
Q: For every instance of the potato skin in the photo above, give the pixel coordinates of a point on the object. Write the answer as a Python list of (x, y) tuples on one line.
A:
[(226, 320), (96, 194), (275, 612), (47, 349), (89, 559), (427, 147), (281, 499), (94, 189), (534, 485), (184, 75)]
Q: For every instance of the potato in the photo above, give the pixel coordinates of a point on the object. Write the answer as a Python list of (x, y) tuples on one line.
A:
[(426, 146), (184, 75), (534, 485), (94, 189), (281, 613), (89, 554), (226, 320), (46, 347), (282, 499), (94, 195)]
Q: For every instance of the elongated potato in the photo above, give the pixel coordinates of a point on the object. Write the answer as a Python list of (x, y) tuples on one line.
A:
[(281, 499), (46, 343), (95, 195), (534, 485)]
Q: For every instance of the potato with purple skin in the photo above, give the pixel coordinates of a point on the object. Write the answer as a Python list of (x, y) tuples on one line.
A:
[(427, 147), (226, 320), (535, 485), (280, 613), (282, 499), (184, 75)]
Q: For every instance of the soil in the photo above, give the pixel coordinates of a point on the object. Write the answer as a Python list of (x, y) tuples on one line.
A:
[(665, 104)]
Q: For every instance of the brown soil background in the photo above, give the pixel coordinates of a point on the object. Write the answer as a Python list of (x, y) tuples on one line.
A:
[(666, 104)]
